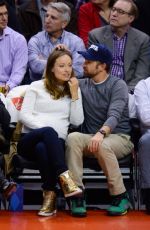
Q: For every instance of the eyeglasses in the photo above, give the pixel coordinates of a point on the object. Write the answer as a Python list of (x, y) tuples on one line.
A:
[(5, 14), (119, 11)]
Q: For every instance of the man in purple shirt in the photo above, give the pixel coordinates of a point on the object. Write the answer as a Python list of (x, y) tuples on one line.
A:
[(42, 44), (13, 53), (130, 47)]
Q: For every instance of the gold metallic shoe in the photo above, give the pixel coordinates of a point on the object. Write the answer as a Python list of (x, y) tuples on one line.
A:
[(49, 204), (68, 185)]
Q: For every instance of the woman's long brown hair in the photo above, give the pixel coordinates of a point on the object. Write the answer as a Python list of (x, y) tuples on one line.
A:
[(50, 81)]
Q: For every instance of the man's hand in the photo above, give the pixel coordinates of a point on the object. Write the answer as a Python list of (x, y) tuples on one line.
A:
[(73, 84), (95, 142), (61, 47)]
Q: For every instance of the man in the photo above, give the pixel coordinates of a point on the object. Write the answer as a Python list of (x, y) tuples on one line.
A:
[(43, 43), (130, 47), (142, 101), (13, 53), (32, 13), (105, 129)]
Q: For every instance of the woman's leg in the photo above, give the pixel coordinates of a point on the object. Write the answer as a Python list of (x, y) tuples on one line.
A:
[(47, 171), (54, 147), (54, 153)]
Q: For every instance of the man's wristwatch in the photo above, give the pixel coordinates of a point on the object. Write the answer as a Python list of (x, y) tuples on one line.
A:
[(103, 132)]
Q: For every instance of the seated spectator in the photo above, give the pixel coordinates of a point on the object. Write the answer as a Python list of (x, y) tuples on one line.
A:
[(56, 102), (43, 43), (6, 187), (105, 131), (92, 15), (13, 53), (130, 47), (32, 13), (142, 101)]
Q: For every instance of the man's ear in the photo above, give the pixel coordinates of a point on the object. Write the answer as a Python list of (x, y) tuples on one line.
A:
[(131, 18), (64, 24)]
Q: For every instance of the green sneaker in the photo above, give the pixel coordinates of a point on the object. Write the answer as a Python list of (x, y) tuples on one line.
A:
[(119, 206), (78, 206)]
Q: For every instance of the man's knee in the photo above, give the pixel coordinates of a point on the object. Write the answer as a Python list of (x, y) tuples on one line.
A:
[(103, 151), (73, 139)]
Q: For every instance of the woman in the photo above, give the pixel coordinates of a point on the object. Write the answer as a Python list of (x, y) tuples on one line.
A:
[(49, 106), (92, 15)]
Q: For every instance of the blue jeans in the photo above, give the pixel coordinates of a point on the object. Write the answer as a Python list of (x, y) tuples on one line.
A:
[(47, 149), (144, 160)]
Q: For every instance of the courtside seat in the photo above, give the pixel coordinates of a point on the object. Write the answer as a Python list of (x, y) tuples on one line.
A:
[(27, 171)]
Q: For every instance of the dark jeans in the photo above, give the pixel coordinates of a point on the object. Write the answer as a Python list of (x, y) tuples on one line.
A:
[(2, 179), (44, 146)]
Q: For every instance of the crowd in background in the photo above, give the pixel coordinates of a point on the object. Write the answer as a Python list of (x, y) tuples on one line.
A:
[(38, 38)]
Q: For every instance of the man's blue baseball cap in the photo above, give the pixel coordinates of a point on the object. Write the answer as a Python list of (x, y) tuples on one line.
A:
[(98, 52)]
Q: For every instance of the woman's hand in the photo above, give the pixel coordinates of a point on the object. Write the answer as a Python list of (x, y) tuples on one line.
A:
[(73, 84)]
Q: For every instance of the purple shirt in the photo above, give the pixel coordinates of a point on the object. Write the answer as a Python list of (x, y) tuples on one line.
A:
[(13, 58), (40, 46), (118, 56)]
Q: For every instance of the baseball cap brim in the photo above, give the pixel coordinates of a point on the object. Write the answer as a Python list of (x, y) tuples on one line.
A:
[(86, 55)]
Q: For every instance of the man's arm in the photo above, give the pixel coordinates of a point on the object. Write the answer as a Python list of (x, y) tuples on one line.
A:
[(142, 101), (142, 69), (78, 60), (118, 102), (37, 61), (93, 38), (19, 64)]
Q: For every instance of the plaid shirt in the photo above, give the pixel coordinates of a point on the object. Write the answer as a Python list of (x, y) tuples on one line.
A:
[(118, 56)]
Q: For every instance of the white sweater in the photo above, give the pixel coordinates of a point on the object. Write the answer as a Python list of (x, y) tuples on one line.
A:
[(39, 110)]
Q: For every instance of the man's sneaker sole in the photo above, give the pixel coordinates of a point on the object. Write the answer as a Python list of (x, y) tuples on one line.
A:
[(117, 214), (79, 215)]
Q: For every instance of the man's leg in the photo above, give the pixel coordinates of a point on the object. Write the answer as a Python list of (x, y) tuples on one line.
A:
[(75, 145), (144, 166), (114, 147)]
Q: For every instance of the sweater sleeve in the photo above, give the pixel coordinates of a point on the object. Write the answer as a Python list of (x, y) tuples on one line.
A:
[(142, 101), (119, 99), (27, 115), (76, 112)]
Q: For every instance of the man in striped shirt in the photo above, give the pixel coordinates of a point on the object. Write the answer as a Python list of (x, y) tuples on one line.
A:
[(13, 53)]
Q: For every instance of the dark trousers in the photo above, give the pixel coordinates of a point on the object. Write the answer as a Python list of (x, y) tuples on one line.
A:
[(2, 179), (44, 146)]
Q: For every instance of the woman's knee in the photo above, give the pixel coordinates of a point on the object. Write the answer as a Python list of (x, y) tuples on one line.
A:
[(40, 147), (49, 131)]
